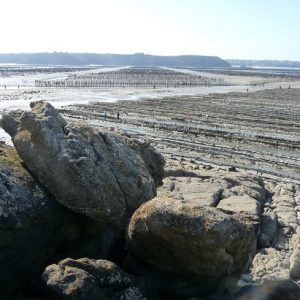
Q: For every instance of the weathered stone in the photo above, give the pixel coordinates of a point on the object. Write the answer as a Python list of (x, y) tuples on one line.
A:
[(295, 263), (282, 289), (193, 189), (271, 290), (153, 160), (179, 172), (245, 204), (28, 220), (269, 225), (35, 229), (11, 122), (243, 184), (264, 241), (199, 245), (94, 279), (271, 264), (284, 205), (92, 172)]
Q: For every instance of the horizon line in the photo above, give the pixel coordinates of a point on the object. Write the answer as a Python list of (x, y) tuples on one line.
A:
[(147, 54)]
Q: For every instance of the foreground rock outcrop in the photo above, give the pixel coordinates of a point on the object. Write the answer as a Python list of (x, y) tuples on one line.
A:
[(201, 246), (29, 218), (92, 172), (94, 279), (35, 229)]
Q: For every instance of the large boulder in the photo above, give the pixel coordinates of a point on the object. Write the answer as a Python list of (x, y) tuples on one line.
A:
[(29, 220), (92, 172), (35, 229), (201, 246), (94, 279)]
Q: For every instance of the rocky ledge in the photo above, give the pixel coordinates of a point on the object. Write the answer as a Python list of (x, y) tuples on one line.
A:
[(94, 214)]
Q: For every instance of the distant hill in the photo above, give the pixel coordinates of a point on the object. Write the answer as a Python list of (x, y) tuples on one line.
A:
[(264, 63), (138, 59)]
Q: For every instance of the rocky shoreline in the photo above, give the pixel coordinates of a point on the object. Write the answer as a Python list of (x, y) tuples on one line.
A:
[(90, 213)]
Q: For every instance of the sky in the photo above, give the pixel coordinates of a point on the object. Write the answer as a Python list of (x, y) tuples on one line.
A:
[(240, 29)]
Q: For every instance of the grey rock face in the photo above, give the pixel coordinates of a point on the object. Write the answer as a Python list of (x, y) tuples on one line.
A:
[(252, 186), (278, 257), (11, 122), (199, 245), (35, 229), (92, 172), (94, 279), (269, 229), (153, 160), (193, 189), (29, 219), (244, 204), (295, 263), (295, 257)]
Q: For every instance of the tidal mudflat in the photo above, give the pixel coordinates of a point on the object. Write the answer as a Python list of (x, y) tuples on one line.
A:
[(256, 131)]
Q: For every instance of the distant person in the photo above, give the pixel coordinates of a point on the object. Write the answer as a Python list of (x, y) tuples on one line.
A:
[(118, 115), (289, 86), (5, 87), (280, 87)]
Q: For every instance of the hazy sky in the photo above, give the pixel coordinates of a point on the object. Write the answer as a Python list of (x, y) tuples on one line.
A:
[(257, 29)]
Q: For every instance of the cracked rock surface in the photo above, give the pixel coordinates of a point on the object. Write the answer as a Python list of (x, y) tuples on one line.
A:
[(272, 203), (278, 257), (92, 172)]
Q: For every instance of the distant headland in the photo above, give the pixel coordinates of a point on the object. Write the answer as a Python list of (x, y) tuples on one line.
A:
[(137, 59)]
